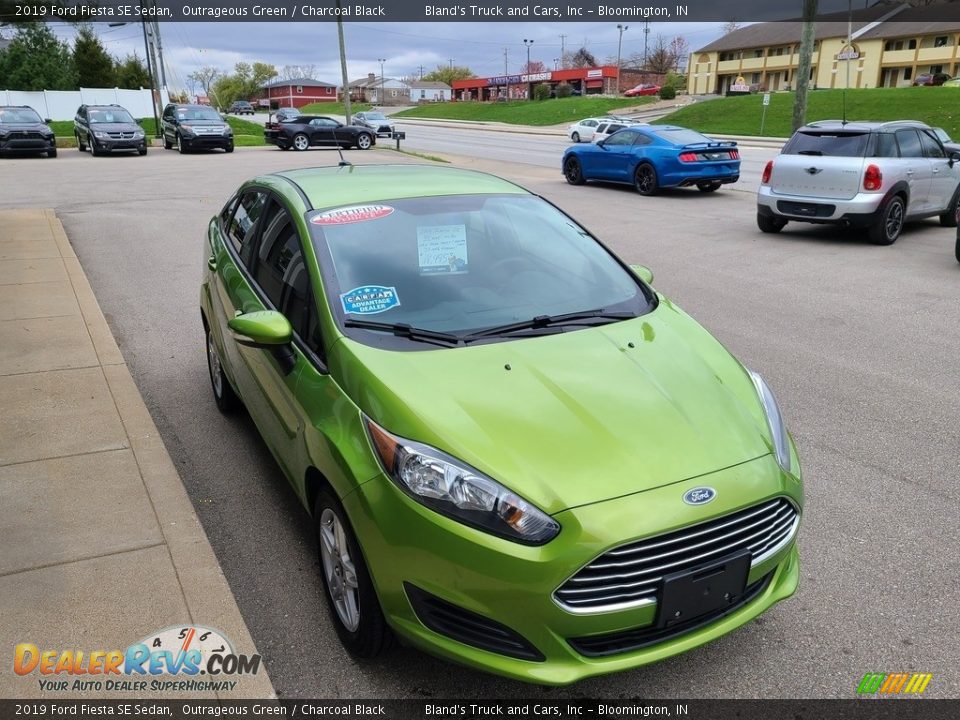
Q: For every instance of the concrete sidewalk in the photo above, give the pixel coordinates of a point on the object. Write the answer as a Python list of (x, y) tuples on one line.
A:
[(99, 544)]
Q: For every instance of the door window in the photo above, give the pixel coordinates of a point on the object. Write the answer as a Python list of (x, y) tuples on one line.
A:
[(282, 275), (931, 148), (909, 143), (244, 221), (624, 137)]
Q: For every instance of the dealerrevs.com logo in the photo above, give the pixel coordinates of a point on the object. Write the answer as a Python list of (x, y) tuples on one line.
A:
[(176, 659)]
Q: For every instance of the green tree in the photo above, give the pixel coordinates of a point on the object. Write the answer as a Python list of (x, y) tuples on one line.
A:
[(132, 73), (447, 74), (37, 60), (94, 66)]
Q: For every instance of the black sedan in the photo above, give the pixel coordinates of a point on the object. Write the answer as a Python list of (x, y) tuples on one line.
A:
[(306, 130)]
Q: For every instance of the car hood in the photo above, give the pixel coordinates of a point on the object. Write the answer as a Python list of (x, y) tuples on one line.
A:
[(115, 127), (29, 127), (573, 418)]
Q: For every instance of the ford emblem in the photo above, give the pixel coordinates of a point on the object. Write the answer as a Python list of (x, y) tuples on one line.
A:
[(699, 495)]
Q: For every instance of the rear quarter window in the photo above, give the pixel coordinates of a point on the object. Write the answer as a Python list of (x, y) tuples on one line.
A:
[(832, 144)]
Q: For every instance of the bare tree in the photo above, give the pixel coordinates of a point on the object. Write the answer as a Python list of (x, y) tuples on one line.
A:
[(205, 77), (297, 72), (581, 58), (679, 49), (730, 27)]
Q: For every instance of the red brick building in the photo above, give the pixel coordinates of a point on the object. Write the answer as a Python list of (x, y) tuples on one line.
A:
[(588, 81), (297, 93)]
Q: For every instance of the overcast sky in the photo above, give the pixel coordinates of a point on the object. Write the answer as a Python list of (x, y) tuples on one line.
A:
[(405, 46)]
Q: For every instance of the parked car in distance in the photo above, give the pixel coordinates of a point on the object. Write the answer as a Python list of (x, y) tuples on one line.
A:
[(651, 157), (931, 79), (866, 175), (241, 107), (583, 131), (949, 145), (642, 89), (195, 127), (103, 129), (307, 131), (23, 131), (607, 127), (952, 82), (376, 121), (621, 491)]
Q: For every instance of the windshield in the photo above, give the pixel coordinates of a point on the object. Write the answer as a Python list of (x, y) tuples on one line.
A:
[(942, 135), (110, 116), (375, 116), (833, 144), (198, 113), (12, 116), (462, 263)]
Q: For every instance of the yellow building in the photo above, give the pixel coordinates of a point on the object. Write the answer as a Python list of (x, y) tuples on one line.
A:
[(889, 46)]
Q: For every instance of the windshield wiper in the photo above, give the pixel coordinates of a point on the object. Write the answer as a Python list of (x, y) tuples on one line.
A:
[(545, 321), (408, 331)]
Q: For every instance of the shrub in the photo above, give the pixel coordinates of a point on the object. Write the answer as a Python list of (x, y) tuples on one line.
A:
[(667, 92), (564, 90), (541, 91)]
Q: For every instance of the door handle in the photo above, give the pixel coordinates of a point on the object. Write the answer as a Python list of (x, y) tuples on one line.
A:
[(212, 263), (909, 172)]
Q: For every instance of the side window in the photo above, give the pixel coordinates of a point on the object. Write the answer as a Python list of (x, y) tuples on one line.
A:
[(909, 143), (931, 147), (227, 212), (624, 137), (886, 146), (282, 274), (643, 140), (244, 221)]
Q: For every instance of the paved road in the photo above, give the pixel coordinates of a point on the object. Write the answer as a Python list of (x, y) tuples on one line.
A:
[(859, 342)]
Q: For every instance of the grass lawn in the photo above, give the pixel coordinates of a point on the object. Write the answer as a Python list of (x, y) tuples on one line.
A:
[(935, 106), (525, 112), (245, 133), (333, 108)]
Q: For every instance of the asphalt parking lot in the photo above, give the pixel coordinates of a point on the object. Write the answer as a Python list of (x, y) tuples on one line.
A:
[(859, 342)]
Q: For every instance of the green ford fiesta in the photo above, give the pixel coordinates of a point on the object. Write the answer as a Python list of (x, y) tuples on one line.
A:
[(518, 456)]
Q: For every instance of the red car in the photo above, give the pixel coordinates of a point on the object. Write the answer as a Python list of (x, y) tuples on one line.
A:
[(643, 89)]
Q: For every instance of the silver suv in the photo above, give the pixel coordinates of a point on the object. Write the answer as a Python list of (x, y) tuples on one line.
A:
[(867, 175)]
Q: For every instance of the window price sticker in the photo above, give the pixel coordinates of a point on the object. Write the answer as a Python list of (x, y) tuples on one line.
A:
[(442, 249)]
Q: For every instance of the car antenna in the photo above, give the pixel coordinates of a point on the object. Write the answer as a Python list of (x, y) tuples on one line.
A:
[(343, 161)]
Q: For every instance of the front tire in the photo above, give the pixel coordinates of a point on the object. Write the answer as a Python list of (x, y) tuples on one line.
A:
[(951, 216), (229, 148), (142, 150), (956, 249), (301, 142), (52, 153), (351, 599), (645, 179), (364, 142), (575, 137), (770, 224), (889, 222), (181, 146), (223, 393), (167, 145), (573, 172)]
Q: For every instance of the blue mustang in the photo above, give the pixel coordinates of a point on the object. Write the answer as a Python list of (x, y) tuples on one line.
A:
[(651, 157)]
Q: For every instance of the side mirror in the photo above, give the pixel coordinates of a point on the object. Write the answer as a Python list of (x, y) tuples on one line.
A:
[(954, 158), (642, 272), (602, 143), (47, 121), (262, 329)]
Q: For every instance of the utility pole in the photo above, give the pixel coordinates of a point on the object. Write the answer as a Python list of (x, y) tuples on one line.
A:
[(806, 61), (506, 70), (646, 36), (421, 72), (343, 67), (153, 77), (563, 52), (383, 89), (451, 63), (622, 29), (156, 34), (528, 43)]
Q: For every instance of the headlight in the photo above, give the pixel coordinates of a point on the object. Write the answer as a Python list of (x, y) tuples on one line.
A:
[(138, 133), (781, 442), (98, 134), (188, 128), (227, 131), (451, 488)]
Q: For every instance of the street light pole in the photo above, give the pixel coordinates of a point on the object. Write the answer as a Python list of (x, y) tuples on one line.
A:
[(528, 43), (622, 29), (382, 81)]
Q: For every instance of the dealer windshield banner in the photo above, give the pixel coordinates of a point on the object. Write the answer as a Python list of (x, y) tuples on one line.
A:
[(176, 659)]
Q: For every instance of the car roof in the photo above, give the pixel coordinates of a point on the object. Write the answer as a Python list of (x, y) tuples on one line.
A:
[(862, 125), (336, 186)]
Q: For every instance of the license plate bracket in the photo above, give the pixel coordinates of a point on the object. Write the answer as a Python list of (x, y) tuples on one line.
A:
[(689, 594)]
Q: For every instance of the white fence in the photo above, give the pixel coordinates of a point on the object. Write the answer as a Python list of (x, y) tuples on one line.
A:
[(63, 104)]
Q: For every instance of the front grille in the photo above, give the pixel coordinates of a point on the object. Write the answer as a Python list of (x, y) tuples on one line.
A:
[(634, 639), (469, 627), (25, 135), (121, 136), (631, 575)]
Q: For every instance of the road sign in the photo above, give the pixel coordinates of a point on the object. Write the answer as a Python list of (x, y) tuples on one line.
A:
[(766, 98)]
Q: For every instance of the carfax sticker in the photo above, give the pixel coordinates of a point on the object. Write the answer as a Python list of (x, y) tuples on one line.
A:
[(369, 299), (442, 249), (352, 214)]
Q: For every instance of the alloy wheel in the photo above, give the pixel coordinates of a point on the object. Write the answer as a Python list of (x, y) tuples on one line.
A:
[(301, 142), (339, 570), (893, 223), (573, 172), (363, 142), (216, 370)]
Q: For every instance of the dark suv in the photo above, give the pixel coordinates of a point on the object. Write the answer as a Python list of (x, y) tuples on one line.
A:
[(22, 130), (107, 128), (195, 127), (241, 107)]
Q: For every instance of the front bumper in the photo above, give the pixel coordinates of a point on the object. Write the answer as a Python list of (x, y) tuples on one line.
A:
[(27, 143), (859, 211), (110, 145), (210, 142), (512, 585)]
